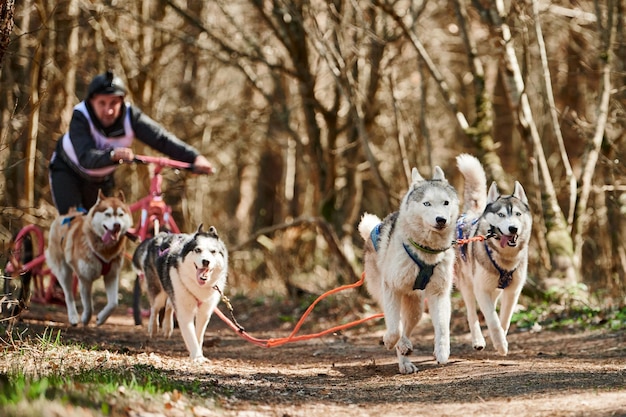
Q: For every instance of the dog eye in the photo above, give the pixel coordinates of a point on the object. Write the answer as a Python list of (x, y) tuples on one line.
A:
[(445, 203), (427, 203), (197, 250), (501, 215)]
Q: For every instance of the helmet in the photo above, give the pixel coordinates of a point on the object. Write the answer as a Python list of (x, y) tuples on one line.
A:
[(106, 83)]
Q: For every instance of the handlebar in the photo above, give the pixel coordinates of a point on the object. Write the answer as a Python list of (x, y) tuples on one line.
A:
[(163, 162)]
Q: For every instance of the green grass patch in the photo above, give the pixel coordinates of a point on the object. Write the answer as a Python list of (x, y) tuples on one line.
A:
[(553, 317), (91, 388)]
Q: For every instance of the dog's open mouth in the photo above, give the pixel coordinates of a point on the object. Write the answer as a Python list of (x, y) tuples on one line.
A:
[(508, 240), (111, 235), (202, 275)]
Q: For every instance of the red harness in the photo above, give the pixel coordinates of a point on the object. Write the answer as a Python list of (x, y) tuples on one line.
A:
[(106, 266)]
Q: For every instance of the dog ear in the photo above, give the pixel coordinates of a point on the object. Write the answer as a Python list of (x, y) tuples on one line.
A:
[(100, 195), (199, 230), (493, 193), (121, 196), (415, 176), (438, 174), (519, 192), (213, 232)]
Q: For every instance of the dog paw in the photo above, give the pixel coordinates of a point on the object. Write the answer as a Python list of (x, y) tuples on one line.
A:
[(199, 359), (406, 366), (502, 348), (442, 354), (390, 339), (404, 346), (479, 343)]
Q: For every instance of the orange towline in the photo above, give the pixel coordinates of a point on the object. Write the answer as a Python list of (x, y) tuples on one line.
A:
[(268, 343)]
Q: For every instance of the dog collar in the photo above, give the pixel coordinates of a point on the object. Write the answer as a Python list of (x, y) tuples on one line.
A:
[(505, 276), (427, 249), (426, 270)]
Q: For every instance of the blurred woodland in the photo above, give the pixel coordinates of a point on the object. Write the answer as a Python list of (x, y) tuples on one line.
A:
[(314, 111)]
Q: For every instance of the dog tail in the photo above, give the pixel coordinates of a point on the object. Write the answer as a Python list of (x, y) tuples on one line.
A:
[(367, 224), (475, 189)]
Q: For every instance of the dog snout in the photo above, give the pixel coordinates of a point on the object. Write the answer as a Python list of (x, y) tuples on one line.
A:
[(206, 263), (441, 221), (513, 230)]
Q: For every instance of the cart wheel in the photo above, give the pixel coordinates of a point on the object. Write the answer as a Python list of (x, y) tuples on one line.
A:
[(16, 286)]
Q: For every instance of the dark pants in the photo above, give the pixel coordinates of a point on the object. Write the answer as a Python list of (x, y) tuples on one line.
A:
[(72, 190)]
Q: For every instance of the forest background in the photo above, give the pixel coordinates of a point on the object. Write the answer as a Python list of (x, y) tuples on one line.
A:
[(315, 111)]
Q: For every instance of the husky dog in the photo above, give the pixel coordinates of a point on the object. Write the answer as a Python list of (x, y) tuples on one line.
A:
[(496, 267), (89, 246), (185, 274), (408, 257)]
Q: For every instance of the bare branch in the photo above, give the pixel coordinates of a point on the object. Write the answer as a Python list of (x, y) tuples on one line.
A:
[(569, 174), (326, 230), (598, 136), (447, 94)]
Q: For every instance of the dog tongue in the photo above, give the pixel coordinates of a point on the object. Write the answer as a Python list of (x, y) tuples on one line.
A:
[(107, 237), (504, 239), (202, 275)]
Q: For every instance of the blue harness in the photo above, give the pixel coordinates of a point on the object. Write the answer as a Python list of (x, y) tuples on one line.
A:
[(425, 270), (463, 228), (68, 219), (375, 235), (505, 276)]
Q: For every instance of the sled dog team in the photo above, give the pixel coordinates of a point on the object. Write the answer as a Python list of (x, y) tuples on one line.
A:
[(182, 273), (409, 256)]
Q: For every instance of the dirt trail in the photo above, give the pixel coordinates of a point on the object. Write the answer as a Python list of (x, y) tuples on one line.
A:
[(546, 374)]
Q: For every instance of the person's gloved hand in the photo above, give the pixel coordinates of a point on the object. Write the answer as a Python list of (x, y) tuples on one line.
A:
[(202, 165)]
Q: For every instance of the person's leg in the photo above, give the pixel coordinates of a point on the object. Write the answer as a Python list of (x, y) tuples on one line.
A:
[(65, 187), (89, 191)]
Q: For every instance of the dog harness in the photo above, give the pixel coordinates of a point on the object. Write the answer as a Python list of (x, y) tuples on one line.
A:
[(106, 266), (426, 270), (463, 229), (81, 211), (505, 276), (375, 235)]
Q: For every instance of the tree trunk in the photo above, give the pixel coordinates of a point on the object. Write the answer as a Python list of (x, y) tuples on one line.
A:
[(7, 8), (559, 241), (589, 166)]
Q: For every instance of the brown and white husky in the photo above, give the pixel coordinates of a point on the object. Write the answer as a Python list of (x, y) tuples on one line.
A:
[(89, 246)]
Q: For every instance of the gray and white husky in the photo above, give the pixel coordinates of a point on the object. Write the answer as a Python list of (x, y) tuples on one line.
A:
[(496, 267), (408, 257), (185, 274)]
